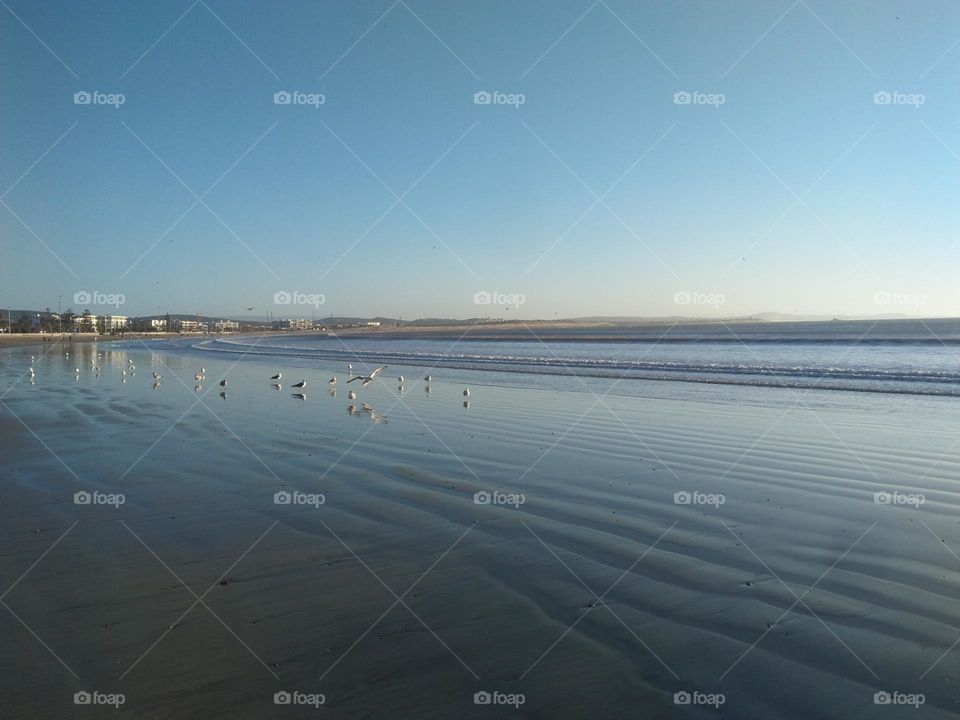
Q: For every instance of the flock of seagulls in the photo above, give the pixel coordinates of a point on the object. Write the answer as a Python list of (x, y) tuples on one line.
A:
[(300, 387)]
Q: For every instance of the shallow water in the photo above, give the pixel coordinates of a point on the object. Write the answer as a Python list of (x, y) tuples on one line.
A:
[(590, 575), (889, 356)]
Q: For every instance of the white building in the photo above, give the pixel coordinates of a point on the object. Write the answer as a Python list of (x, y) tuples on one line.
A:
[(85, 323), (226, 326), (112, 323), (189, 326), (157, 325)]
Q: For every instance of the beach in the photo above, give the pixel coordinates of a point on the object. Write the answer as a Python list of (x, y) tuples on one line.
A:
[(599, 548)]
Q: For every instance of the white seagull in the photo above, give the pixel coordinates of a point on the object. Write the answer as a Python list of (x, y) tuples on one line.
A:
[(156, 376), (466, 392), (277, 376), (428, 378), (332, 381), (301, 384), (351, 395), (364, 381), (400, 379)]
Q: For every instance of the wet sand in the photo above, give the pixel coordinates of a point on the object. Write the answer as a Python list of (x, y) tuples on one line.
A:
[(597, 596)]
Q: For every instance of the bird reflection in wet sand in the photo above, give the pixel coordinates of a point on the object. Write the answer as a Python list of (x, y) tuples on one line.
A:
[(365, 409), (277, 386), (299, 395)]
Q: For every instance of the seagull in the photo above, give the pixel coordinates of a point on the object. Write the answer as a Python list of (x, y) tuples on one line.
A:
[(155, 375), (351, 395), (364, 381), (302, 384), (223, 383), (428, 378), (400, 379), (203, 370), (349, 367), (466, 392), (332, 381), (77, 370), (277, 376), (198, 377)]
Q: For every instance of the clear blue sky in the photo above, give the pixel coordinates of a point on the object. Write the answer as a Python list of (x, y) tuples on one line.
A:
[(507, 203)]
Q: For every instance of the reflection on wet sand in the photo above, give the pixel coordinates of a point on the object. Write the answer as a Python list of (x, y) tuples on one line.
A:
[(365, 409)]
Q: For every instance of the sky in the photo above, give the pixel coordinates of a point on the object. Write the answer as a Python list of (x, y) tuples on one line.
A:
[(645, 159)]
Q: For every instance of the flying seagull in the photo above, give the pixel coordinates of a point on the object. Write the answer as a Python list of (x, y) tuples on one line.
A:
[(364, 381)]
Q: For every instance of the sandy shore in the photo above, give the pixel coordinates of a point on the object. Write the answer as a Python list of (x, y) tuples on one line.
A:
[(41, 339), (599, 595)]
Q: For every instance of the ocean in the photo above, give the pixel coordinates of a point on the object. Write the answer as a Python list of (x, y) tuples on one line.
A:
[(891, 356)]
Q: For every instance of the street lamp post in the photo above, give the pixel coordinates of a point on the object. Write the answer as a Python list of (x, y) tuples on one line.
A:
[(59, 315)]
